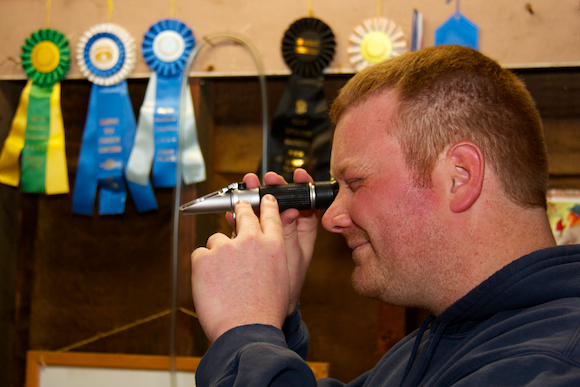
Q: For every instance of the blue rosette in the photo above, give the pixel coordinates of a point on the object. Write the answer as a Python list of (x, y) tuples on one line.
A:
[(166, 47), (106, 56)]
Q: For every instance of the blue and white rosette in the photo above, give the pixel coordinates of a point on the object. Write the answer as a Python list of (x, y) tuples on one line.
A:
[(106, 56), (166, 47)]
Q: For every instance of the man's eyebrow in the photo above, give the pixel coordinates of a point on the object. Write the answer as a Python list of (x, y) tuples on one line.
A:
[(338, 171)]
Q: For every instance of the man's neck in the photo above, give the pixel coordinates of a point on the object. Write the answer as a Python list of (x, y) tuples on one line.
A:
[(494, 242)]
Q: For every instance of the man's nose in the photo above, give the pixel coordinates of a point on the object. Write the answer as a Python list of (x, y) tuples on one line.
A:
[(336, 217)]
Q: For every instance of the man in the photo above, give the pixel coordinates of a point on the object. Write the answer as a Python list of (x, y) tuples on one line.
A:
[(442, 168)]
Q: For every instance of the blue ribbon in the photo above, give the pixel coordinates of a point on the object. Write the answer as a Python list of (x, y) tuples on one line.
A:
[(166, 134), (107, 142), (167, 103)]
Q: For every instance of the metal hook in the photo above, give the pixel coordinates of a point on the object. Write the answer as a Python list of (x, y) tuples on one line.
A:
[(529, 8), (456, 5)]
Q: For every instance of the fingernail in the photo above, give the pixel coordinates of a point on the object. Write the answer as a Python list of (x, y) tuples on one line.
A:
[(269, 197)]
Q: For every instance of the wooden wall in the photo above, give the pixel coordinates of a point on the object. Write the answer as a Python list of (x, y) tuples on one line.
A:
[(71, 277), (529, 33), (65, 277), (9, 247), (556, 93)]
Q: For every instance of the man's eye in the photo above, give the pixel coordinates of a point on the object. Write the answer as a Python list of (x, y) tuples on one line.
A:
[(353, 184)]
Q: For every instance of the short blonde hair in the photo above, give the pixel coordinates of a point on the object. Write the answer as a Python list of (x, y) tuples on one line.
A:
[(452, 93)]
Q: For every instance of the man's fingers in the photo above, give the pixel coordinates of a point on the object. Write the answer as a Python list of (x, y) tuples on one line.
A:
[(270, 216), (301, 176), (272, 178), (246, 219), (231, 219), (252, 180), (215, 240)]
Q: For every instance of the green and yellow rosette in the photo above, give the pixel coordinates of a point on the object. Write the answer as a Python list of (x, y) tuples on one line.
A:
[(374, 41), (36, 136)]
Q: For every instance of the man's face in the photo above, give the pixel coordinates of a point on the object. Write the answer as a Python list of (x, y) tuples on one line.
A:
[(390, 224)]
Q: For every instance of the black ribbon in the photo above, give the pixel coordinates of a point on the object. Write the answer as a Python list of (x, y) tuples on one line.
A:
[(300, 135)]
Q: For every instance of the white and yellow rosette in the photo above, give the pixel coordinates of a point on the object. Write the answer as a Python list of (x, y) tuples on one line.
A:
[(374, 41), (106, 56)]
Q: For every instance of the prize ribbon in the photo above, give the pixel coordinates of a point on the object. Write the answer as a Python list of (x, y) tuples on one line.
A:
[(106, 56), (166, 47), (375, 41), (457, 30), (308, 47), (300, 135), (37, 131), (417, 34)]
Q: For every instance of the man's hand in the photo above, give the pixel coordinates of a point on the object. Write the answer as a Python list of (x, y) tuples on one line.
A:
[(300, 228), (243, 280)]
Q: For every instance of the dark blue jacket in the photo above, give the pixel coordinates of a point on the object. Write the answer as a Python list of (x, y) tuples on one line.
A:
[(520, 327)]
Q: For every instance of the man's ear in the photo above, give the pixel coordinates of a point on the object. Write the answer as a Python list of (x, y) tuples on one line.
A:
[(467, 169)]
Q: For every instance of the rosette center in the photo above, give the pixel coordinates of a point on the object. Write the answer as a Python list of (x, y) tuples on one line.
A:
[(168, 46), (45, 56), (104, 53), (376, 47)]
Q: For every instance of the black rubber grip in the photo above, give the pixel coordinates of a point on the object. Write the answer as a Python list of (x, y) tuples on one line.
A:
[(297, 195)]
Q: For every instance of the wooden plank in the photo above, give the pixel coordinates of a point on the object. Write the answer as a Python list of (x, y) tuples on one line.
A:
[(10, 259), (25, 280), (509, 32), (563, 142), (38, 359)]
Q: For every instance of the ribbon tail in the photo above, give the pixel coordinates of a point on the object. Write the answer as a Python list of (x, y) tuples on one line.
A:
[(142, 194), (56, 170), (191, 156), (36, 137), (166, 131), (116, 125), (9, 167), (141, 157), (85, 188), (112, 197)]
